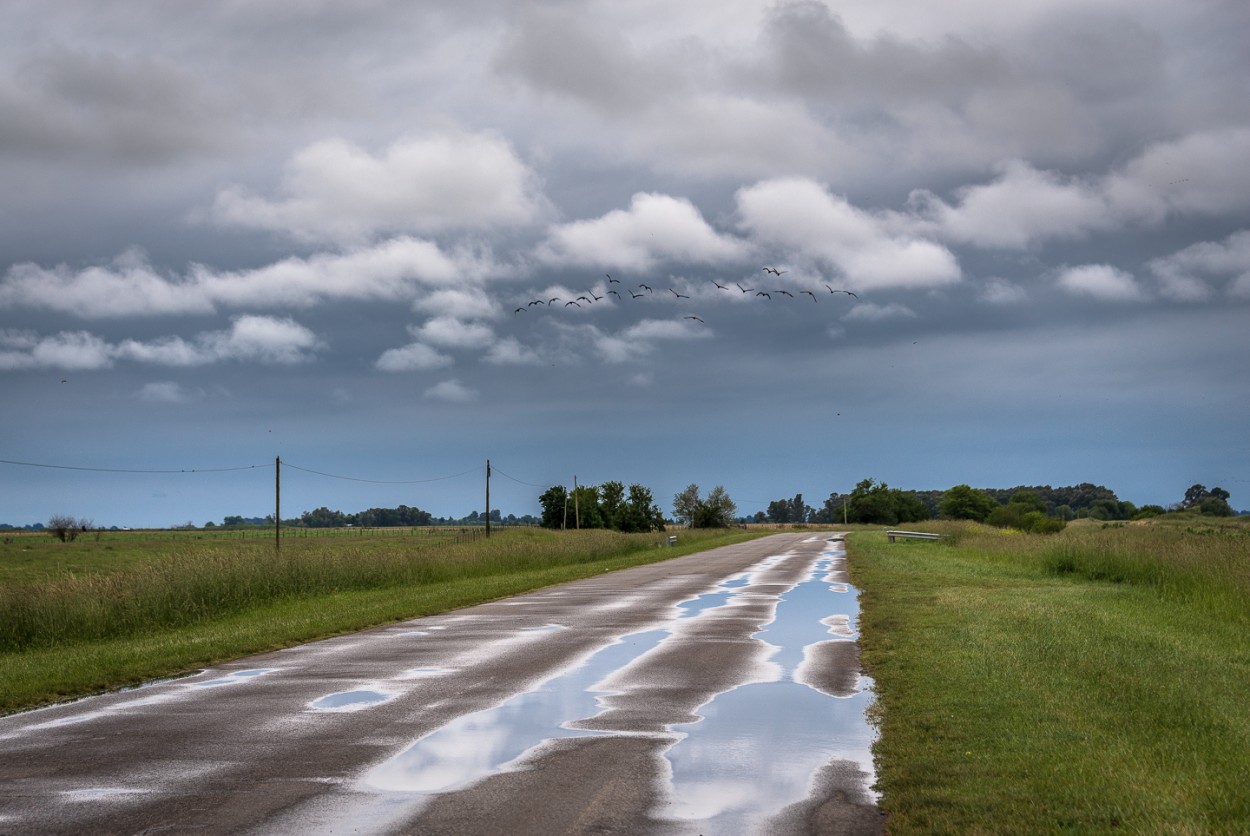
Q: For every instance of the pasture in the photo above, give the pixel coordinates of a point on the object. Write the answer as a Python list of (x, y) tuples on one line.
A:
[(90, 615), (1091, 680)]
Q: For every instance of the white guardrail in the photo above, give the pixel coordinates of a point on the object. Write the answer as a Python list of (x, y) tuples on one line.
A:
[(917, 535)]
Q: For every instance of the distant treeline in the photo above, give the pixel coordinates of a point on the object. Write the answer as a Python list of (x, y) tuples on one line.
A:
[(877, 503), (379, 518)]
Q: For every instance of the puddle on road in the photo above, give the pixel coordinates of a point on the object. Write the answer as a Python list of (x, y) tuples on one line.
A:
[(477, 745), (757, 746), (350, 700), (754, 752), (232, 678)]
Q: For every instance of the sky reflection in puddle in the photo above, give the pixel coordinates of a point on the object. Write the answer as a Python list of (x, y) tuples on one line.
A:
[(753, 753), (477, 745), (232, 678), (350, 700), (757, 747)]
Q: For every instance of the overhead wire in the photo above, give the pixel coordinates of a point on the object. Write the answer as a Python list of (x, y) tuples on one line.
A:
[(133, 470)]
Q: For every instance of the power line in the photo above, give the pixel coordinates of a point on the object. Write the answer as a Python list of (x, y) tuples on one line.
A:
[(266, 466), (128, 470), (495, 469), (379, 481)]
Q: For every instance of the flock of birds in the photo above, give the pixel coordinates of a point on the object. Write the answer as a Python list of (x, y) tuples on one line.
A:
[(643, 290)]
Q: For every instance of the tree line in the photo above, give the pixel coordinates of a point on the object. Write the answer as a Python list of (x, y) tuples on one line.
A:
[(610, 505), (401, 516), (1031, 508)]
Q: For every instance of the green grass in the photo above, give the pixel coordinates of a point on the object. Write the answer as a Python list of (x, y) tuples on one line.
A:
[(104, 620), (1089, 681)]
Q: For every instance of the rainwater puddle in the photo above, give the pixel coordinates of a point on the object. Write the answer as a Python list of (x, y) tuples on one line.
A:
[(232, 678), (350, 700), (477, 745), (757, 747), (753, 753)]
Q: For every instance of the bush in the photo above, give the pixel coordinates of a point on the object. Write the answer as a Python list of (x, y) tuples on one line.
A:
[(65, 528)]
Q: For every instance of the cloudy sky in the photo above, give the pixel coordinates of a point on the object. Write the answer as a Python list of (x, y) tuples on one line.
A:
[(347, 235)]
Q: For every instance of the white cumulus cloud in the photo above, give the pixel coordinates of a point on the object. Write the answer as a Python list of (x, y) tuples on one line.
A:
[(452, 391), (1187, 275), (801, 218), (654, 228), (1101, 281), (413, 357), (1022, 207), (334, 190)]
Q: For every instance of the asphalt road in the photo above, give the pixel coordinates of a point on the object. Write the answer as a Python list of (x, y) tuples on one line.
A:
[(484, 720)]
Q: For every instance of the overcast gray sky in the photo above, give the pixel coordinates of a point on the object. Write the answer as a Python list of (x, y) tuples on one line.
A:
[(236, 231)]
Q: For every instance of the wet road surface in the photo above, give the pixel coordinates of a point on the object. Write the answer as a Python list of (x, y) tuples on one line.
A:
[(714, 693)]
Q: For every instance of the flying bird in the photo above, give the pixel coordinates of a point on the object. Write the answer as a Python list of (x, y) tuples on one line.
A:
[(583, 299), (536, 302), (678, 295), (518, 310), (553, 299), (566, 304), (646, 288), (786, 292), (694, 318), (718, 284), (809, 293), (610, 279), (762, 293), (614, 293), (775, 271), (847, 292), (593, 296), (635, 295), (744, 289)]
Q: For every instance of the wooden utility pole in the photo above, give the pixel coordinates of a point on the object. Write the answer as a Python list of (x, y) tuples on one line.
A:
[(577, 517), (277, 503), (488, 497)]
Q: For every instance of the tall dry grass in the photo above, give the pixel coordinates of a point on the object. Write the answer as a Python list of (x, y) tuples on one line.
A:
[(206, 580), (1207, 566)]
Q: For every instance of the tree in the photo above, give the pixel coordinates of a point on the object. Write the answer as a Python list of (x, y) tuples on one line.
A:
[(1194, 495), (1029, 500), (63, 527), (876, 503), (639, 512), (321, 517), (686, 505), (779, 511), (716, 511), (964, 502), (831, 509), (611, 504), (1215, 506), (584, 507), (554, 502)]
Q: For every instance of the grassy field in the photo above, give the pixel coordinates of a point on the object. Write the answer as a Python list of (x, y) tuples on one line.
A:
[(1089, 681), (82, 617)]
